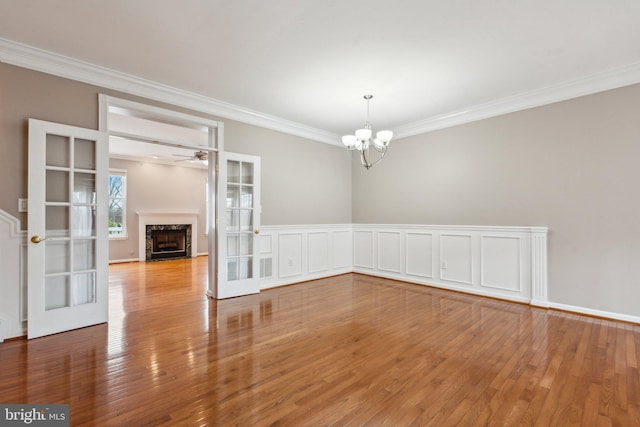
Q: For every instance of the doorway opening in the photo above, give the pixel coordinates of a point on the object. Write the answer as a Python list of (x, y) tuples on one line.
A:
[(169, 158)]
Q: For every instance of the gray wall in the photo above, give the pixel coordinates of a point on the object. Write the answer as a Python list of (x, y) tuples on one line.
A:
[(316, 189), (571, 166), (301, 183), (158, 187)]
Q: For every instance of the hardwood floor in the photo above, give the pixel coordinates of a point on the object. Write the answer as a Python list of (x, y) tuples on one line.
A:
[(349, 350)]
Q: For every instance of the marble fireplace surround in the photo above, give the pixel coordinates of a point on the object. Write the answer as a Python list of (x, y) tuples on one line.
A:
[(166, 218)]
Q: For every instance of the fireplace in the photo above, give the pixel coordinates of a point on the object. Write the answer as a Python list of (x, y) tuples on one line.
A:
[(162, 220), (168, 241)]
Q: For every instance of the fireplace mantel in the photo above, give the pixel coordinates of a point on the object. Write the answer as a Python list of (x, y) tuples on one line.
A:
[(166, 218)]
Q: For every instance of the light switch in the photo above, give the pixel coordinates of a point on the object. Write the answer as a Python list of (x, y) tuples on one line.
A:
[(23, 205)]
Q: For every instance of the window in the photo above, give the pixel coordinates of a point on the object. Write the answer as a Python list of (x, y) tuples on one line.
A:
[(117, 203)]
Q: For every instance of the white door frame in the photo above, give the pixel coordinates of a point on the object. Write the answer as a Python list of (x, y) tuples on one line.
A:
[(215, 146)]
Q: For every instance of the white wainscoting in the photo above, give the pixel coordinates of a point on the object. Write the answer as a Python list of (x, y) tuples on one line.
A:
[(500, 262), (503, 262), (296, 253), (13, 283)]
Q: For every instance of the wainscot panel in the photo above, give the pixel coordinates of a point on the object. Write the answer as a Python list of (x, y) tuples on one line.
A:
[(500, 262), (296, 253), (13, 285)]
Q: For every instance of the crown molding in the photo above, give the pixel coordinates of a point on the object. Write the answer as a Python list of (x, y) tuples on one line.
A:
[(62, 66), (37, 59), (587, 85)]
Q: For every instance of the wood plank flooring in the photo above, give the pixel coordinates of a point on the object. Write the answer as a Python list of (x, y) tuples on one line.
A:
[(350, 350)]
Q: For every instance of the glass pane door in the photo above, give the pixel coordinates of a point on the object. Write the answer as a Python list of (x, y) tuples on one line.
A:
[(240, 214), (68, 246), (70, 212)]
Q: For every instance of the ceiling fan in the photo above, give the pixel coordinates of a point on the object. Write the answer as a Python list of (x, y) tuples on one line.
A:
[(198, 155)]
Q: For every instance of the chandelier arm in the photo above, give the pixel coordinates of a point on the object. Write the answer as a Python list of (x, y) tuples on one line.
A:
[(382, 153), (365, 162)]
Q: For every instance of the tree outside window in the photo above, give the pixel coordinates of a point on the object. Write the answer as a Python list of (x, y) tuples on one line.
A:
[(117, 203)]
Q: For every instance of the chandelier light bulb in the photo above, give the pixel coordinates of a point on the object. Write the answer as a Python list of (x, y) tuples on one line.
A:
[(385, 136), (349, 141), (363, 134)]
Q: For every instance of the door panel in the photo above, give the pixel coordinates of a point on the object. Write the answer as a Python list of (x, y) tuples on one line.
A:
[(67, 222), (238, 254)]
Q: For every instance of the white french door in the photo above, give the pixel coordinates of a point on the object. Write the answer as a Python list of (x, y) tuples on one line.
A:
[(67, 226), (238, 267)]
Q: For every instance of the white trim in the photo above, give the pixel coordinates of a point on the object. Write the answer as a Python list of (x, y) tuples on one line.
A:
[(586, 85), (320, 227), (33, 58), (446, 228), (153, 113), (58, 65), (539, 276), (594, 312), (122, 261), (13, 244)]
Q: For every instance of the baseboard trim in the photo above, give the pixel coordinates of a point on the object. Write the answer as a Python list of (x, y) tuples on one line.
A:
[(120, 261), (594, 313)]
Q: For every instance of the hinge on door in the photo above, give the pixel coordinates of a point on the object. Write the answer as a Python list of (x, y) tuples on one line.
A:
[(217, 167)]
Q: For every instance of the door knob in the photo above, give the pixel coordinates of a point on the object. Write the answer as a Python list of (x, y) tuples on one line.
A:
[(38, 239), (257, 231)]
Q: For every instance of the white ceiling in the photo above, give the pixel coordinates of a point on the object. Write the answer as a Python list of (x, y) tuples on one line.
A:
[(310, 62)]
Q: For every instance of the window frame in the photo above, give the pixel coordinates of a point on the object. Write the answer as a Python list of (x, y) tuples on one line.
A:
[(125, 233)]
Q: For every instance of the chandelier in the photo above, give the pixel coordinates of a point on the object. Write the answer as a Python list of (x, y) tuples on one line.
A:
[(361, 141)]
